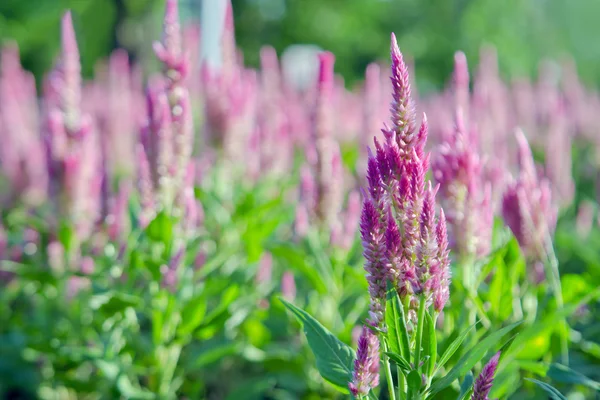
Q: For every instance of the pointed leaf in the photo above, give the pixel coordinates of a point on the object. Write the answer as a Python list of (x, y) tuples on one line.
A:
[(453, 347), (192, 315), (564, 374), (399, 361), (552, 392), (473, 356), (334, 358), (397, 333)]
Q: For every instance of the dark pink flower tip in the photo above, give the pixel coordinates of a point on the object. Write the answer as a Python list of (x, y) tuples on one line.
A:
[(326, 76), (229, 18)]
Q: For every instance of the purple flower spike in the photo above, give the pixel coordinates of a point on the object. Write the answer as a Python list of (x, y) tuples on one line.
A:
[(484, 381), (527, 206), (402, 240), (366, 365), (372, 232), (459, 172), (70, 71)]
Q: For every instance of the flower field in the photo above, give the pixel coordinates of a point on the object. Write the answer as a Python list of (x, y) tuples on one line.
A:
[(227, 233)]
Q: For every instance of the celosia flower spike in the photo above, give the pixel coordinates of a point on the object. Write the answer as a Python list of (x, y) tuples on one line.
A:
[(372, 232), (70, 69), (366, 365), (485, 380)]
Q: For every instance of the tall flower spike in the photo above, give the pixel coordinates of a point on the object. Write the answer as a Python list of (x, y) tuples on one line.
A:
[(527, 206), (176, 68), (460, 82), (323, 136), (70, 69), (483, 384), (366, 365)]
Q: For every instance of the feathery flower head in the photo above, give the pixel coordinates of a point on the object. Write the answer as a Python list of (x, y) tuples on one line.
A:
[(459, 172), (527, 206), (67, 80), (366, 365), (485, 380), (402, 239)]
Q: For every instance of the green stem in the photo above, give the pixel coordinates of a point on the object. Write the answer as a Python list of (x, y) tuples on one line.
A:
[(420, 323), (388, 369), (401, 384)]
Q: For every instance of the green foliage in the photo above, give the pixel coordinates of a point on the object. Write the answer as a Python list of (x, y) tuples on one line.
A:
[(334, 358)]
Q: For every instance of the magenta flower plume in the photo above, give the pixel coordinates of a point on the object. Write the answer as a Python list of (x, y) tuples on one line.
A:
[(22, 154), (404, 242), (372, 230), (366, 365), (527, 206), (459, 172), (484, 381), (323, 141), (74, 160)]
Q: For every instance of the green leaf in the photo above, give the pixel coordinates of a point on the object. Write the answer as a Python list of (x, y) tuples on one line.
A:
[(297, 260), (161, 228), (111, 302), (334, 358), (66, 234), (414, 381), (429, 344), (397, 333), (466, 388), (192, 315), (399, 361), (552, 392), (564, 374), (473, 356), (453, 347), (252, 390), (548, 324)]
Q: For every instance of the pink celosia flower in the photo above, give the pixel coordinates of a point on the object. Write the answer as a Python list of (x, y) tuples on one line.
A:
[(485, 380), (527, 206), (403, 240), (365, 375)]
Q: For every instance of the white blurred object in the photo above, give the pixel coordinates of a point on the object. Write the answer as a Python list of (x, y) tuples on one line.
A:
[(300, 65), (212, 21)]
